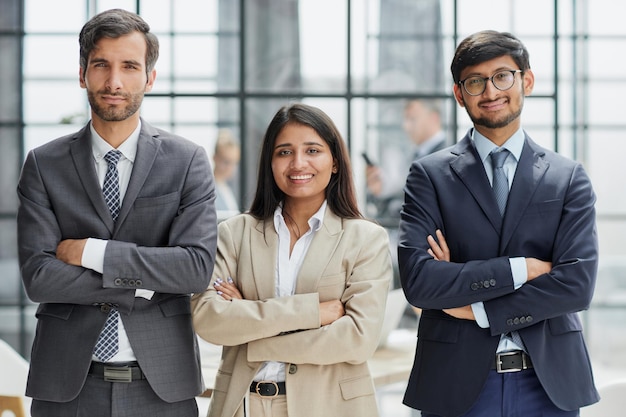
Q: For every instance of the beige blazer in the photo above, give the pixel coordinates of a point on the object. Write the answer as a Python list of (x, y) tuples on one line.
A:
[(327, 372)]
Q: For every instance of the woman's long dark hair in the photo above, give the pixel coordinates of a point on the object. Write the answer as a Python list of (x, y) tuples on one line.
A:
[(340, 192)]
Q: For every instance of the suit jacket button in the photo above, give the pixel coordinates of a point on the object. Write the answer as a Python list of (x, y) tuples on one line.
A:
[(492, 282), (516, 320), (118, 281), (293, 368), (131, 282), (474, 286), (105, 308), (486, 284), (138, 283), (509, 322), (529, 319)]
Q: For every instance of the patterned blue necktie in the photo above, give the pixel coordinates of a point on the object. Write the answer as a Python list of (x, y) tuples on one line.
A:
[(501, 191), (500, 183), (111, 187), (108, 344)]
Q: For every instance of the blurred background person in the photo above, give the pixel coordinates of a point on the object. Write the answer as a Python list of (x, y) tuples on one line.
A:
[(225, 162), (422, 123), (385, 181)]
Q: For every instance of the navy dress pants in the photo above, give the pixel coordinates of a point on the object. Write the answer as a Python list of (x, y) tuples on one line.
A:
[(514, 394)]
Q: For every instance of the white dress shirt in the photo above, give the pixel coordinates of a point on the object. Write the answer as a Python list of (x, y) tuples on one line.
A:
[(93, 254), (287, 268)]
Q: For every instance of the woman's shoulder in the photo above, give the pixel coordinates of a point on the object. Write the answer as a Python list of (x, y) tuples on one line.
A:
[(240, 221), (364, 225)]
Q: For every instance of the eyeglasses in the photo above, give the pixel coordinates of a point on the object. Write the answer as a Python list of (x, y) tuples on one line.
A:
[(502, 80)]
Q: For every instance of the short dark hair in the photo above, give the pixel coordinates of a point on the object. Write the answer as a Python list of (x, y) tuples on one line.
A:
[(486, 45), (113, 24), (340, 193)]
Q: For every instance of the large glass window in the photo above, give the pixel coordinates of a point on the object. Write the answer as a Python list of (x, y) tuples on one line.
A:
[(229, 65)]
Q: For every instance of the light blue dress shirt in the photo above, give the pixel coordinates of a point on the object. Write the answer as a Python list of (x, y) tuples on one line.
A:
[(518, 265)]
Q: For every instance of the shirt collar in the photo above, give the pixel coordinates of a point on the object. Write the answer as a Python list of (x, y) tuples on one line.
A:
[(484, 146), (315, 222), (128, 148)]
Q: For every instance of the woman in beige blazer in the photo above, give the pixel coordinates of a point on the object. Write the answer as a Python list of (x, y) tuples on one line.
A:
[(298, 293)]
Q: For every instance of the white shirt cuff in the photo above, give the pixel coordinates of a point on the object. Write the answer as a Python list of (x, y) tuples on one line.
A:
[(93, 254), (93, 258)]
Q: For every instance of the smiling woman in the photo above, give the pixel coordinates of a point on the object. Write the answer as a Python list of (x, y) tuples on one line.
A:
[(302, 165), (304, 277)]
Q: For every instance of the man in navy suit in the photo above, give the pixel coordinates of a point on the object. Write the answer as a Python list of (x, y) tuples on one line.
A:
[(499, 335)]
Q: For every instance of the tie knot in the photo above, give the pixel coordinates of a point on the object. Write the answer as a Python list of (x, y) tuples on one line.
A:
[(498, 156), (113, 157)]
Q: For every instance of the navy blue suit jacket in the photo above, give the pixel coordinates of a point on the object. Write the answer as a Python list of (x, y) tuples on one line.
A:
[(550, 215)]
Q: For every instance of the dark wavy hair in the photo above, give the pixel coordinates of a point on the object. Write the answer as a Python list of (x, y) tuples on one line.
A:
[(113, 24), (340, 192), (484, 46)]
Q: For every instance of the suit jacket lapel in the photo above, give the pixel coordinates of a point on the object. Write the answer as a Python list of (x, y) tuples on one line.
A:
[(530, 170), (147, 147), (82, 155), (471, 172), (320, 253), (264, 240), (264, 243)]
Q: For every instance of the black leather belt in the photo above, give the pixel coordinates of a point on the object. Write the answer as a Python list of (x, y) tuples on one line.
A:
[(268, 388), (116, 372), (513, 361)]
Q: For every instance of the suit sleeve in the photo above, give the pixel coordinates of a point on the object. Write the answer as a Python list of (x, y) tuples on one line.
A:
[(184, 265), (354, 337), (214, 317), (569, 286), (432, 284), (180, 264), (47, 279)]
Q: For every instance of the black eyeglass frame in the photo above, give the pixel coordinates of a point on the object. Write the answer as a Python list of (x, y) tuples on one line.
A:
[(485, 79)]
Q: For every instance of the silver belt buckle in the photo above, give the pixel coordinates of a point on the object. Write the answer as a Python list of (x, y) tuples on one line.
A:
[(499, 363), (118, 374)]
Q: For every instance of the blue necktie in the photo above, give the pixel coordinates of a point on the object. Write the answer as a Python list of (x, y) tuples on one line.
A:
[(501, 190), (500, 183), (108, 343), (111, 187)]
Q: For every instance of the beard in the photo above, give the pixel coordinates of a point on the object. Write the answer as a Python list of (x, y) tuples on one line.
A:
[(115, 113), (495, 123)]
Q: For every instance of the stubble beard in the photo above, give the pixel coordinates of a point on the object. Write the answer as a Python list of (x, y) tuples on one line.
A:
[(495, 123), (115, 113)]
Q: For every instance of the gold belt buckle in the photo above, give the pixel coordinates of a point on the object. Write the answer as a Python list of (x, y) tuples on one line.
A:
[(258, 386)]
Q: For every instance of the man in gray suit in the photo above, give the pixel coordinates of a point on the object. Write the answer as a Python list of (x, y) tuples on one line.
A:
[(113, 271)]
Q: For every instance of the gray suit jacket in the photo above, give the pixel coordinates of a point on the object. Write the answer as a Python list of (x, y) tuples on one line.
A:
[(164, 240)]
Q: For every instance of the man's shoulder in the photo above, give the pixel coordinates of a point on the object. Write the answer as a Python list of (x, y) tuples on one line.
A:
[(443, 153), (168, 139), (550, 155), (59, 148)]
